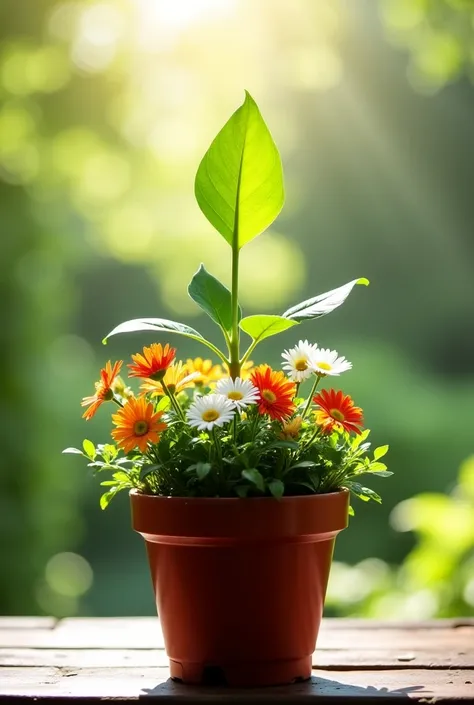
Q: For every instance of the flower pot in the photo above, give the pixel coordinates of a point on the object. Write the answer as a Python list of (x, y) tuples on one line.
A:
[(240, 583)]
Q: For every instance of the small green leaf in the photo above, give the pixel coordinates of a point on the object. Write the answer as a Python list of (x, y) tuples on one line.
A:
[(380, 452), (202, 470), (303, 464), (364, 493), (351, 511), (277, 488), (360, 438), (261, 327), (377, 467), (107, 497), (255, 477), (73, 451), (239, 183), (122, 477), (382, 473), (163, 404), (89, 449), (291, 445), (241, 490), (213, 297), (322, 304)]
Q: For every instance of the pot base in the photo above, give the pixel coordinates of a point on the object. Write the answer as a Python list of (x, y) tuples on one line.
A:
[(243, 675)]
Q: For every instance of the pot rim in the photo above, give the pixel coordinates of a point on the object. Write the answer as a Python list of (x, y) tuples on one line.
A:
[(234, 500)]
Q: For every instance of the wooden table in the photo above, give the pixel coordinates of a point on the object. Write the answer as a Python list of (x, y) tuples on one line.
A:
[(123, 658)]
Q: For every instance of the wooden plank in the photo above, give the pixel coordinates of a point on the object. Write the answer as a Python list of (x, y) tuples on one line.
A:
[(418, 685), (144, 633), (27, 622), (326, 659)]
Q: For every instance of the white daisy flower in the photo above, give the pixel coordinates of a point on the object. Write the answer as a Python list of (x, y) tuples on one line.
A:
[(326, 362), (299, 361), (209, 411), (241, 392)]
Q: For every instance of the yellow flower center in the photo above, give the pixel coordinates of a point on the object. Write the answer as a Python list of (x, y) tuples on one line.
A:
[(210, 415), (268, 395), (140, 428), (336, 414), (235, 396), (301, 365), (324, 366)]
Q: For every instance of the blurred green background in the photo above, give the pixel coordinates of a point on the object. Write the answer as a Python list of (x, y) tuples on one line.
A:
[(106, 108)]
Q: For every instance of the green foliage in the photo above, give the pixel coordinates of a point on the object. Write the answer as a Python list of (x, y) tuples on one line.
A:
[(214, 299), (239, 183), (261, 327), (436, 579), (323, 304)]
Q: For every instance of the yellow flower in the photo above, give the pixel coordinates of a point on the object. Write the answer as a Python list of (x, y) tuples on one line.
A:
[(207, 372), (118, 387), (176, 379), (291, 429)]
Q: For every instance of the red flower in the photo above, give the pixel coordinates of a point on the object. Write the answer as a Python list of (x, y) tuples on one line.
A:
[(103, 389), (337, 410), (276, 392), (153, 363)]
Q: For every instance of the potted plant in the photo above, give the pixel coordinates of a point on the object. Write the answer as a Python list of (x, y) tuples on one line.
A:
[(239, 482)]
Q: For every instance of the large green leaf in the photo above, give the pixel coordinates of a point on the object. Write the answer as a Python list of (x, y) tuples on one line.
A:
[(162, 325), (213, 297), (239, 183), (261, 327), (324, 303)]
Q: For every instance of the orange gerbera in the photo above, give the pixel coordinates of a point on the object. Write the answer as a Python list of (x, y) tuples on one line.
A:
[(103, 389), (337, 410), (207, 371), (176, 379), (153, 363), (276, 392), (137, 425)]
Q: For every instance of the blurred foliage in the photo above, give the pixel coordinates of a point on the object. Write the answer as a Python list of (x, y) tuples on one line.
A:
[(439, 35), (436, 579), (105, 109)]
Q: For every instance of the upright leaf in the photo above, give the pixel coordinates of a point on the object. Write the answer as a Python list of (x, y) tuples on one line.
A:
[(322, 304), (213, 297), (261, 327), (239, 183)]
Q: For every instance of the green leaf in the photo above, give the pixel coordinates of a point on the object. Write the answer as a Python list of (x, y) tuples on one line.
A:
[(364, 493), (107, 497), (277, 488), (122, 477), (239, 183), (261, 327), (322, 304), (213, 297), (351, 511), (357, 440), (89, 449), (382, 473), (241, 490), (202, 470), (302, 464), (255, 477), (73, 451), (162, 325), (380, 452), (163, 404), (377, 467)]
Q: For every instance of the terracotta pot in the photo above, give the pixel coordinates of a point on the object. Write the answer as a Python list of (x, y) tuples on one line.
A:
[(240, 583)]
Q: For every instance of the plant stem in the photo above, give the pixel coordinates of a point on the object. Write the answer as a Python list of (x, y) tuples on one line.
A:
[(308, 403), (174, 401), (234, 365), (117, 401)]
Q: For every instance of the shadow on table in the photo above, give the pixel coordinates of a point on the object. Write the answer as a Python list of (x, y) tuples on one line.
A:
[(322, 689)]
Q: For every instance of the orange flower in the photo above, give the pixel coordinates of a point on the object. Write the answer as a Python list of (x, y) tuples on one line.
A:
[(276, 392), (337, 410), (207, 371), (153, 363), (176, 379), (137, 425), (103, 389)]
